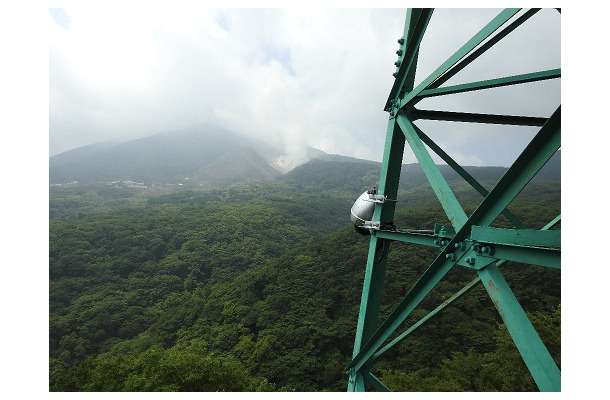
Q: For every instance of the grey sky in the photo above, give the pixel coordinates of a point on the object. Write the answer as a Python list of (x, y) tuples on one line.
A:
[(291, 77)]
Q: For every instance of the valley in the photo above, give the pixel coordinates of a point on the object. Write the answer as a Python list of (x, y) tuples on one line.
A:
[(155, 285)]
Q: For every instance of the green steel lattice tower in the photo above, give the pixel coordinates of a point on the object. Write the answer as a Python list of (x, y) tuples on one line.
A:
[(470, 242)]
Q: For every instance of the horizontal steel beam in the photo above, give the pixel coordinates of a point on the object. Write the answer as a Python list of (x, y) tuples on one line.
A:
[(408, 237), (476, 118), (545, 257), (516, 237)]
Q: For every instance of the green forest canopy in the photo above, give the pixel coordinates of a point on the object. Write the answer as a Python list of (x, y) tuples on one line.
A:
[(261, 283)]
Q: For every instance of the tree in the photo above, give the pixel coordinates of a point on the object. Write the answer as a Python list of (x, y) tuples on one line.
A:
[(178, 369)]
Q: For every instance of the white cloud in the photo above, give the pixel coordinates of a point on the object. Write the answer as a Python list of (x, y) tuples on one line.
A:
[(281, 75), (292, 77)]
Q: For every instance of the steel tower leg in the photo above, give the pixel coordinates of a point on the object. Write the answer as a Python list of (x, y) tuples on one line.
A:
[(471, 242)]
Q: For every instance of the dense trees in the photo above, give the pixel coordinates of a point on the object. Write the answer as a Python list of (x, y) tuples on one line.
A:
[(247, 288), (180, 368), (502, 369)]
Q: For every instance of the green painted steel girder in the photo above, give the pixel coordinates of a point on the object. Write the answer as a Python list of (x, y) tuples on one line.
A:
[(376, 383), (416, 114), (377, 257), (415, 24), (371, 294), (516, 237), (450, 204), (531, 160), (476, 40), (545, 257), (492, 83), (553, 223), (431, 277), (419, 323), (463, 173), (542, 147), (426, 239), (408, 237), (415, 27), (388, 186), (545, 372), (486, 45), (470, 241)]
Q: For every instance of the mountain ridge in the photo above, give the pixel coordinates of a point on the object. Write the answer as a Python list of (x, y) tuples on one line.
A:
[(209, 156), (169, 157)]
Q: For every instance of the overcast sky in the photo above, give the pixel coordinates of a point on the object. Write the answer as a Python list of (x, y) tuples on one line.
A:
[(291, 77)]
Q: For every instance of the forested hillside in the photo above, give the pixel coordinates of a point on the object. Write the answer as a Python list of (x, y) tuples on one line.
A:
[(257, 287)]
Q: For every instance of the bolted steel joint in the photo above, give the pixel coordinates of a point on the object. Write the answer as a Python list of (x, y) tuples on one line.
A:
[(401, 41), (487, 250), (395, 105), (450, 256), (470, 260)]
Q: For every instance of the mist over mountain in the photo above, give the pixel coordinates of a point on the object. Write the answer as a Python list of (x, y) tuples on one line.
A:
[(204, 155), (208, 156)]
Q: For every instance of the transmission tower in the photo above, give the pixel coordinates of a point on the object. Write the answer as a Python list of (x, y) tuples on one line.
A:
[(470, 242)]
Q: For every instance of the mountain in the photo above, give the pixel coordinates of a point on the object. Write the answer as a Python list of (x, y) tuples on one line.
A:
[(323, 175), (242, 164), (334, 172), (172, 157), (80, 154), (209, 156)]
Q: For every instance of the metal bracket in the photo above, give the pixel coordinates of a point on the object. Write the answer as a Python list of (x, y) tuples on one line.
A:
[(378, 226), (379, 198), (446, 232), (394, 107), (476, 256), (373, 225)]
